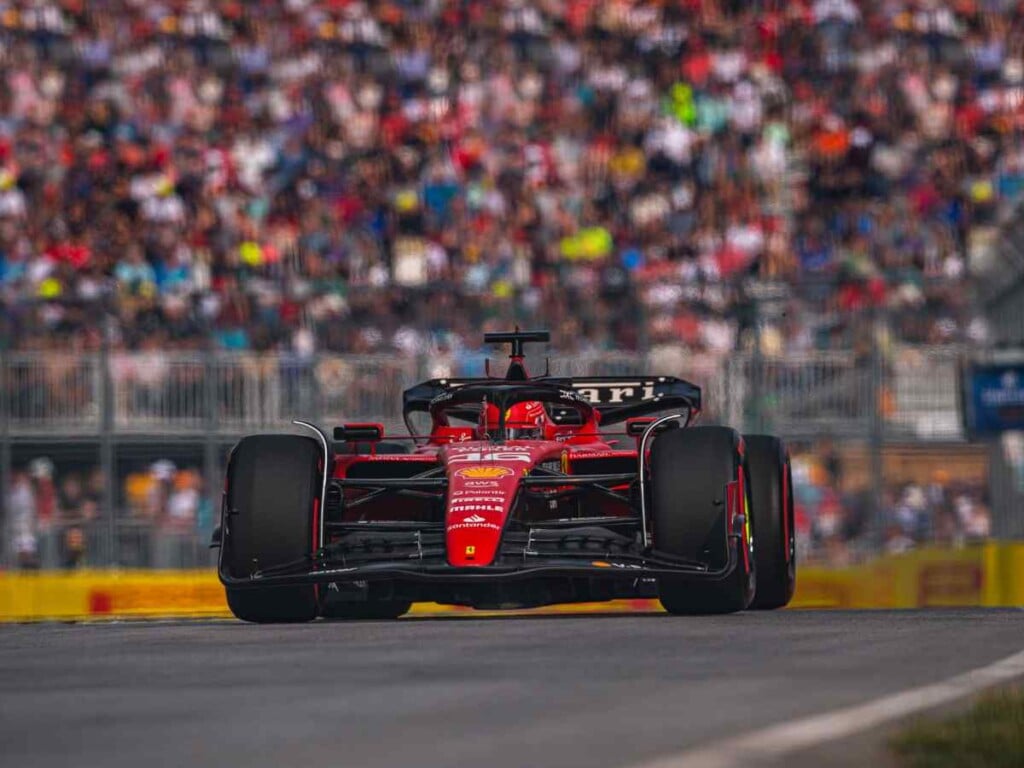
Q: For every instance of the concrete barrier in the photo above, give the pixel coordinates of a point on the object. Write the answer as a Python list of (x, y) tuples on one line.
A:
[(980, 575)]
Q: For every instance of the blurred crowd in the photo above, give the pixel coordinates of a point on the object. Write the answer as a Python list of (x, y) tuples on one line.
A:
[(837, 525), (54, 516), (339, 175)]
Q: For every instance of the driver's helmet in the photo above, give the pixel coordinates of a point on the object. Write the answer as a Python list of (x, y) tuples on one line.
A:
[(523, 421)]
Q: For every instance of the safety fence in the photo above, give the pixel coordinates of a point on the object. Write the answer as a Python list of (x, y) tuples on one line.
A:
[(983, 575), (911, 393), (165, 393)]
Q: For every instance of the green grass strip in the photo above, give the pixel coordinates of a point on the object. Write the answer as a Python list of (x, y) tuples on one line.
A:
[(989, 735)]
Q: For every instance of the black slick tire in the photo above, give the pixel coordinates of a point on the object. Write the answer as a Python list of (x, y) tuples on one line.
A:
[(771, 484), (272, 489), (690, 470)]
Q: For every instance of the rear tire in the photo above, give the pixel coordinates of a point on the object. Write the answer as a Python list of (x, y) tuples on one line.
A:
[(272, 488), (771, 484), (690, 470)]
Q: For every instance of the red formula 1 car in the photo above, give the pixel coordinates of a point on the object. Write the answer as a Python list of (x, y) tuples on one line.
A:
[(524, 491)]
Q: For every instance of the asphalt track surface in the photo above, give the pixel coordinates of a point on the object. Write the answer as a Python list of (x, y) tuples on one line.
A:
[(511, 691)]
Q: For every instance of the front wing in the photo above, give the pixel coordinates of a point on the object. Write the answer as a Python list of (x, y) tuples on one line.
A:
[(418, 556)]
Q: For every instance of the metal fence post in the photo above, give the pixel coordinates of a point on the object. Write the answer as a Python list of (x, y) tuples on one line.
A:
[(318, 408), (6, 470), (643, 341), (211, 429), (878, 385), (107, 424), (1001, 492), (422, 366), (755, 385)]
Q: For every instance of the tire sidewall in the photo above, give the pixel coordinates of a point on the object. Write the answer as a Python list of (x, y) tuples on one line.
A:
[(268, 520), (772, 511)]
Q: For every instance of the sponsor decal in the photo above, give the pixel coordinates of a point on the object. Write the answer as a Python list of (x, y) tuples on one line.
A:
[(950, 584), (441, 398), (605, 564), (484, 472), (476, 508), (460, 526), (491, 456), (480, 494), (615, 392), (474, 521), (475, 526), (482, 484), (470, 550)]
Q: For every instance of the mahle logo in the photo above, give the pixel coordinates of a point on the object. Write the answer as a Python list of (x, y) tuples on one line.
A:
[(484, 472)]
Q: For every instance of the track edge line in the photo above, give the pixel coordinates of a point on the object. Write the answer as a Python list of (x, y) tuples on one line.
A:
[(777, 740)]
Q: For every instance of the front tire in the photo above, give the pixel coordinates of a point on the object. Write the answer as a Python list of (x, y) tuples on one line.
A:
[(771, 484), (271, 492), (690, 472)]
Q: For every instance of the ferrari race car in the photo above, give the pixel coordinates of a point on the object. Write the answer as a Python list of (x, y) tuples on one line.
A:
[(523, 491)]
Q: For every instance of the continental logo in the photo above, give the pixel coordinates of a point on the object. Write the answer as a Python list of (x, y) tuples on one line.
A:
[(484, 472)]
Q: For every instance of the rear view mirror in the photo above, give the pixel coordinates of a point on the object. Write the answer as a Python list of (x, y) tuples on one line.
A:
[(354, 432), (636, 426)]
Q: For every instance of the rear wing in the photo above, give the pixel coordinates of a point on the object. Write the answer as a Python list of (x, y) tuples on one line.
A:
[(616, 398)]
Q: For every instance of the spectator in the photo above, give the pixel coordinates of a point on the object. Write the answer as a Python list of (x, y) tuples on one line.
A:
[(46, 513), (178, 528), (22, 522)]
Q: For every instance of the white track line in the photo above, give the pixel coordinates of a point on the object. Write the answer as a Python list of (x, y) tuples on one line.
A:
[(777, 740)]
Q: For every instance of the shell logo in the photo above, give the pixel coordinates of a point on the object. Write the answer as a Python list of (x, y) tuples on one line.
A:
[(484, 472)]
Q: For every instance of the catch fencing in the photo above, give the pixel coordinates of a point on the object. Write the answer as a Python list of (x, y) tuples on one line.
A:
[(118, 458), (911, 395)]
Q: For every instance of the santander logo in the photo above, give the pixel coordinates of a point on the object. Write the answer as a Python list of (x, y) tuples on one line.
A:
[(475, 522)]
